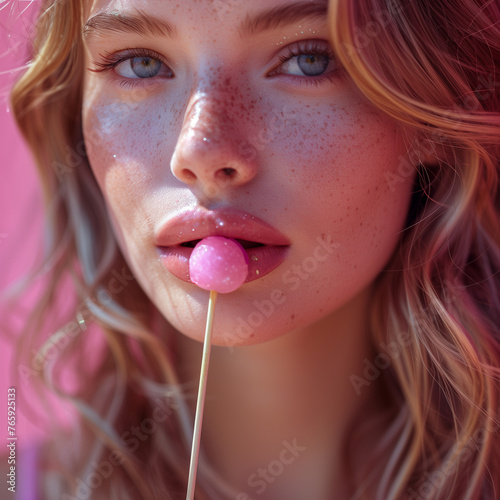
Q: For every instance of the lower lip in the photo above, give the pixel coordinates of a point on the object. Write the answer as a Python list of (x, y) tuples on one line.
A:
[(261, 260)]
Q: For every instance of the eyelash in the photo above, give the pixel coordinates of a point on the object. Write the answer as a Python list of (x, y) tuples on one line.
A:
[(109, 61), (314, 47)]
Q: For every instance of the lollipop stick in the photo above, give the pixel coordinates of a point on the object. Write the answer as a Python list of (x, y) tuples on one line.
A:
[(200, 403)]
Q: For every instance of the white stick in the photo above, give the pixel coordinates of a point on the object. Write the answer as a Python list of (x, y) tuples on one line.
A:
[(200, 403)]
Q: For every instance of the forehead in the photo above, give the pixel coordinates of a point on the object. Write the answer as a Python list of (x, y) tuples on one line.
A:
[(200, 23), (197, 12)]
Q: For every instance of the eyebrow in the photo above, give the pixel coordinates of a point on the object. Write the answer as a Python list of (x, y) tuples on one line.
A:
[(139, 23), (284, 15), (146, 25)]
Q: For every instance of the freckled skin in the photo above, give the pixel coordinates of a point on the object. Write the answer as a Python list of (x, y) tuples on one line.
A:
[(311, 160)]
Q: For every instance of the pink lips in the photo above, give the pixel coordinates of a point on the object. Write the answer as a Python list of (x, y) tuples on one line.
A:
[(265, 246)]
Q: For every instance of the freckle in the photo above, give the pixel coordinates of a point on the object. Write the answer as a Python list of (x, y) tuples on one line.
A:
[(292, 316)]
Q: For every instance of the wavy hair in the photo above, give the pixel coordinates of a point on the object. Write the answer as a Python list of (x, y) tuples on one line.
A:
[(434, 67)]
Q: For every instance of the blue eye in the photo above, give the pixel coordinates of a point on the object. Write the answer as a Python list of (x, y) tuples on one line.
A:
[(142, 67), (145, 67), (134, 64), (312, 64), (311, 58)]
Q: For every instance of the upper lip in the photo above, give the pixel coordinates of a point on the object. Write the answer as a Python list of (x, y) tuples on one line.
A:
[(230, 223)]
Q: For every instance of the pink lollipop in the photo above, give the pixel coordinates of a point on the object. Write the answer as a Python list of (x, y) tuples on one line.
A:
[(219, 264)]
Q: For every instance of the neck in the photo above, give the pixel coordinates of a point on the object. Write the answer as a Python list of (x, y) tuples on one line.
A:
[(276, 413)]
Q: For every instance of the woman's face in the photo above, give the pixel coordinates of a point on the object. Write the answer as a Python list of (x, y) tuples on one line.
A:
[(232, 118)]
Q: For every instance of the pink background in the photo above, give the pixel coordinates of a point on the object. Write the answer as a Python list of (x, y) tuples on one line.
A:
[(20, 201)]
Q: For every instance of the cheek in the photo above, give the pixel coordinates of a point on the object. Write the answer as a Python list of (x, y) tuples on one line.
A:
[(112, 131), (348, 156), (128, 150), (340, 148), (348, 179), (129, 133)]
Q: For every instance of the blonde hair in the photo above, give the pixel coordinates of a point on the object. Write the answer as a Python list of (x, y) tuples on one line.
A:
[(432, 67), (436, 68)]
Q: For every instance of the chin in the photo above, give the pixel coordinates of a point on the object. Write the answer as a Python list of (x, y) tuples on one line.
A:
[(232, 326)]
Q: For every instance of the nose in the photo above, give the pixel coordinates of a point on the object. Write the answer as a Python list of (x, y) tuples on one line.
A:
[(209, 154)]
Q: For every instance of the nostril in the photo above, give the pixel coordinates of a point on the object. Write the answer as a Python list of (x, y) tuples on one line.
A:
[(229, 171), (188, 175)]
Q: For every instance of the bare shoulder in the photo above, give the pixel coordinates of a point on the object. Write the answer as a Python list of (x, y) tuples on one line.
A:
[(9, 480)]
